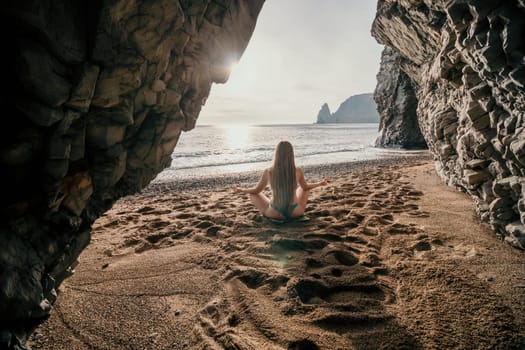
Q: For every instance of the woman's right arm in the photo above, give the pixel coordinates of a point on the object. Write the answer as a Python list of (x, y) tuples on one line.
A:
[(306, 186), (257, 189)]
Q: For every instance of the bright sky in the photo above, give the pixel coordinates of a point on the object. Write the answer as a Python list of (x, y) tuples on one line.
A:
[(302, 53)]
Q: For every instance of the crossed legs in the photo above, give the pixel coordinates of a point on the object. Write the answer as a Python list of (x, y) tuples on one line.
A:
[(302, 199), (262, 203)]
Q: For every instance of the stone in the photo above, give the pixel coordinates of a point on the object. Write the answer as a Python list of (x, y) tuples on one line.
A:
[(397, 103), (517, 147), (503, 187), (473, 177), (85, 89), (158, 86), (486, 194), (517, 232), (477, 164), (104, 136), (121, 114), (114, 82), (79, 188)]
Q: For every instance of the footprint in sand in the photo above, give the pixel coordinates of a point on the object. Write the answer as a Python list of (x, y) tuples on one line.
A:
[(344, 305), (401, 229), (184, 215), (325, 236), (355, 239), (157, 224), (336, 257), (181, 234), (251, 278), (369, 260)]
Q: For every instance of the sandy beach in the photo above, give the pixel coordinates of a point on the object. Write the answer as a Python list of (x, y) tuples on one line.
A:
[(390, 259)]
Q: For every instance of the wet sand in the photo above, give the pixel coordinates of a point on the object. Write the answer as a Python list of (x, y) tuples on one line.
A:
[(390, 259)]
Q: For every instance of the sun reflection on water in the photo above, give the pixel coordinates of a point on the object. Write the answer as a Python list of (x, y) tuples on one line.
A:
[(237, 137)]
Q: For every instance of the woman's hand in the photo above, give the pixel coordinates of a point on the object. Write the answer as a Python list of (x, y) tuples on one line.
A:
[(325, 181), (236, 189)]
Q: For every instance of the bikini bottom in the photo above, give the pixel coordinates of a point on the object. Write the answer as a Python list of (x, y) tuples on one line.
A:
[(284, 212)]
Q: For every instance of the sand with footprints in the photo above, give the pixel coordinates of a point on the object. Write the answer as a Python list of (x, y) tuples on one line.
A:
[(390, 259)]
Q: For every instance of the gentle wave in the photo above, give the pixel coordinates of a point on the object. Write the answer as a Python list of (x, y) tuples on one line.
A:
[(255, 160), (269, 150), (219, 147), (206, 165)]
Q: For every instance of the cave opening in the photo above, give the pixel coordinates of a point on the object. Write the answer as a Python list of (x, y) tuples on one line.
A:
[(99, 95), (286, 73)]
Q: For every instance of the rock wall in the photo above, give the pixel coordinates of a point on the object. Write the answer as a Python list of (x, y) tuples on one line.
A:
[(397, 104), (465, 60), (95, 95)]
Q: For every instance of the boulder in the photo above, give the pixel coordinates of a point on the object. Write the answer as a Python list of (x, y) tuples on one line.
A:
[(96, 96)]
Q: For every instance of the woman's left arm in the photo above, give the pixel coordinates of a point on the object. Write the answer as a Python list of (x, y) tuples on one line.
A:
[(310, 186), (257, 189), (323, 182)]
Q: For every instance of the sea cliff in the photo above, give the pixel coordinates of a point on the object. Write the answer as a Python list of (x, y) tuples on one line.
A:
[(461, 67), (356, 109)]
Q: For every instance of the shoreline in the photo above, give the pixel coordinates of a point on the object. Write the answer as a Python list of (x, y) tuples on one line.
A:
[(390, 257), (312, 172)]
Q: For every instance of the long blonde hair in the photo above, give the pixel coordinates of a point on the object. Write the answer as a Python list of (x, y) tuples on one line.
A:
[(282, 175)]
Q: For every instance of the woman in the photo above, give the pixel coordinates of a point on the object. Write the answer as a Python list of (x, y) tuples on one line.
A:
[(289, 187)]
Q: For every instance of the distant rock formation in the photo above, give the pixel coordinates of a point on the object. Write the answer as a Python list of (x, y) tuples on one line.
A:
[(324, 115), (95, 95), (397, 103), (356, 109), (464, 60)]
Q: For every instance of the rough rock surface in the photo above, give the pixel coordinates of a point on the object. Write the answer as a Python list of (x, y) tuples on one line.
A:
[(397, 104), (465, 60), (96, 94), (355, 109)]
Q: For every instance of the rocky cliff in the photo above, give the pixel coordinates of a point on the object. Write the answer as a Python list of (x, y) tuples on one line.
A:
[(355, 109), (397, 103), (96, 94), (465, 62)]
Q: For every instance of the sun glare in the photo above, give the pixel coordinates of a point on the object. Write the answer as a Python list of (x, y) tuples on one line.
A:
[(232, 65), (236, 136)]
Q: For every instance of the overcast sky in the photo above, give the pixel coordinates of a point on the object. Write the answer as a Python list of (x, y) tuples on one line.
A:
[(302, 53)]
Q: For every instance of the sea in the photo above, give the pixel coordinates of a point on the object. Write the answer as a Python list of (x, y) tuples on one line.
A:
[(218, 150)]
